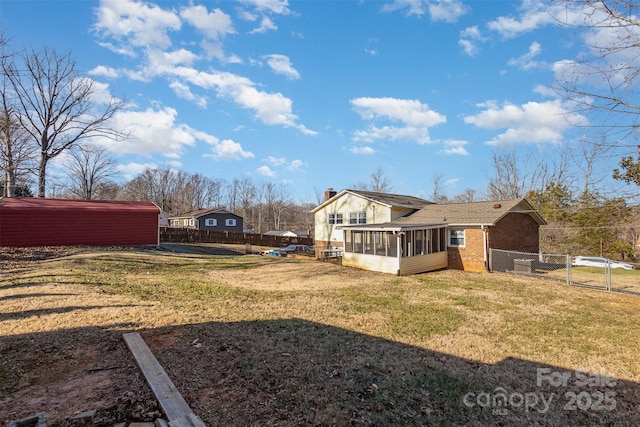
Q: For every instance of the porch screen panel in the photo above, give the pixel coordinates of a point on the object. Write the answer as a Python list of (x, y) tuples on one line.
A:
[(403, 245), (391, 243), (368, 242), (419, 242), (348, 241), (357, 242), (443, 239), (379, 249)]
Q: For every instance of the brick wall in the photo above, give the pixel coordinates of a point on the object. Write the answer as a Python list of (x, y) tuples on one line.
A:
[(516, 232), (471, 256)]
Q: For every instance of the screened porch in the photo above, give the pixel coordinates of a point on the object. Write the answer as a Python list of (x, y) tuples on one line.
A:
[(400, 250)]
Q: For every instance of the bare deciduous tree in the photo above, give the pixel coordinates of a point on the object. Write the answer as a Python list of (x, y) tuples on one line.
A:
[(16, 153), (379, 182), (507, 182), (437, 194), (467, 196), (89, 168), (603, 81), (55, 105)]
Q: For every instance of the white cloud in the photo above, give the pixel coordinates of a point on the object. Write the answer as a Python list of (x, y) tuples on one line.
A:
[(247, 15), (526, 61), (228, 150), (451, 182), (363, 150), (281, 64), (150, 132), (214, 24), (164, 62), (469, 39), (280, 7), (296, 165), (371, 52), (415, 6), (131, 170), (446, 10), (136, 23), (183, 91), (453, 146), (100, 92), (415, 118), (265, 25), (535, 14), (439, 10), (120, 50), (276, 161), (265, 171), (144, 26), (533, 122), (103, 71), (270, 108), (469, 47)]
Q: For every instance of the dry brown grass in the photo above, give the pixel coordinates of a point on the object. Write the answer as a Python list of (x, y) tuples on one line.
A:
[(276, 341)]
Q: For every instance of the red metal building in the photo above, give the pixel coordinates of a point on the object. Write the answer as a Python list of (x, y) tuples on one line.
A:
[(57, 222)]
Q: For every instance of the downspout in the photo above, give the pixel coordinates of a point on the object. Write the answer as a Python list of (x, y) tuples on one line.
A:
[(484, 247)]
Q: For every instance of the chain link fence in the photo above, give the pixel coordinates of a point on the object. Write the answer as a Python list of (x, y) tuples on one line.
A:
[(558, 267)]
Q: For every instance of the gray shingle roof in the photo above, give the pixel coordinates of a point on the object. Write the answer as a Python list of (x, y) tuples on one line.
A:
[(200, 212), (474, 213), (394, 200)]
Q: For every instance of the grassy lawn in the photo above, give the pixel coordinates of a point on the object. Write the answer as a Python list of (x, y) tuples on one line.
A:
[(253, 340)]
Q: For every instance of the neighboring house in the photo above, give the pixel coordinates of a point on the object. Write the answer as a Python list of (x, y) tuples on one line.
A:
[(303, 233), (60, 222), (280, 233), (163, 219), (410, 235), (208, 219)]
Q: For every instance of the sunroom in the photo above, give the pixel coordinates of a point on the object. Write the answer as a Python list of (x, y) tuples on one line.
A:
[(397, 249)]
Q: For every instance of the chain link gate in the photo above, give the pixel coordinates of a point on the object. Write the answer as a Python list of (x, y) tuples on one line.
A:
[(549, 266)]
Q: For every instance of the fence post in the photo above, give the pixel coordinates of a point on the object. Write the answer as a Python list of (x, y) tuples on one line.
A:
[(569, 266)]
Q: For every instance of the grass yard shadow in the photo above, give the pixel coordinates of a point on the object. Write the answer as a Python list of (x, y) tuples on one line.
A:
[(296, 372)]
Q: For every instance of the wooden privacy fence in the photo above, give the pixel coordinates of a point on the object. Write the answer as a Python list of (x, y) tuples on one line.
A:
[(188, 235)]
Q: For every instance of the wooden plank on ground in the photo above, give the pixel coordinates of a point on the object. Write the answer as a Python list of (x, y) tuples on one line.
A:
[(171, 401)]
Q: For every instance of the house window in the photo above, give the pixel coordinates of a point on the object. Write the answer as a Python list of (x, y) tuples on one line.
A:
[(191, 222), (210, 222), (456, 237), (357, 218), (230, 222), (185, 222), (335, 218)]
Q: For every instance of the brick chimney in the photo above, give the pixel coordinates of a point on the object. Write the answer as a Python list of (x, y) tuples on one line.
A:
[(329, 193)]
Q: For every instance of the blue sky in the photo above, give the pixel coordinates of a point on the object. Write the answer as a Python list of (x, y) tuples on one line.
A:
[(317, 94)]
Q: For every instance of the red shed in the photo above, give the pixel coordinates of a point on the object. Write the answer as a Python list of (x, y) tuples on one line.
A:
[(57, 222)]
